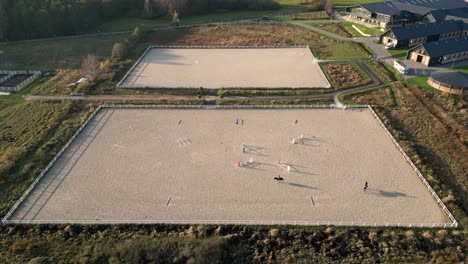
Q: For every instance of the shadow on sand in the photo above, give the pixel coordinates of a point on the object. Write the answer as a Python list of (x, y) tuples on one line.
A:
[(298, 185), (383, 193)]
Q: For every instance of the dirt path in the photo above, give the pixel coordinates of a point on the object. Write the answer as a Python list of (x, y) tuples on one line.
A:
[(212, 97)]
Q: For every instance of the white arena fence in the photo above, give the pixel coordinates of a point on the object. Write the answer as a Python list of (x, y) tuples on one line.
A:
[(119, 84), (11, 74), (421, 177), (6, 219), (236, 222), (51, 163)]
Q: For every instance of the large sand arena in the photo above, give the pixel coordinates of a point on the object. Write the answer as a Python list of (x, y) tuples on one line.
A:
[(226, 68), (153, 165)]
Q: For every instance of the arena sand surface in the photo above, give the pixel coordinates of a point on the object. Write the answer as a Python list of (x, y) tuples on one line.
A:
[(143, 165), (227, 68)]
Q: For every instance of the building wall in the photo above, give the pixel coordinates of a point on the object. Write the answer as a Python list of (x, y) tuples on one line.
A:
[(455, 57), (417, 41), (425, 59), (450, 35), (443, 88)]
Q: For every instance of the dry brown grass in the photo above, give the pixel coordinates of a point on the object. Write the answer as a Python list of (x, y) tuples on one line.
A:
[(343, 75), (254, 35), (335, 28)]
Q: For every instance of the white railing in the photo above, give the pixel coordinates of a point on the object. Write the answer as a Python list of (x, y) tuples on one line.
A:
[(51, 163), (233, 222), (6, 219), (8, 76), (220, 107), (421, 177), (34, 75)]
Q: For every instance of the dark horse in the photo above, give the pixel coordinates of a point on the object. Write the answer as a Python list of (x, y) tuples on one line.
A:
[(279, 178)]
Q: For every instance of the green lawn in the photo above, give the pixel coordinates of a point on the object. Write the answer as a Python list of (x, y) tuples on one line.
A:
[(55, 54), (366, 30), (421, 82), (10, 100), (400, 52), (462, 69)]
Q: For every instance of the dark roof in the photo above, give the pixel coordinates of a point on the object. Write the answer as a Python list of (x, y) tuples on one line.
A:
[(420, 10), (450, 14), (386, 8), (435, 4), (422, 30), (445, 47), (451, 78)]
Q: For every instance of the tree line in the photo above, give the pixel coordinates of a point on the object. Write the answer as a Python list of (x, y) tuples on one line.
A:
[(26, 19)]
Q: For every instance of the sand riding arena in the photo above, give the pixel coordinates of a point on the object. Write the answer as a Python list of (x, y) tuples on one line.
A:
[(162, 164), (226, 67)]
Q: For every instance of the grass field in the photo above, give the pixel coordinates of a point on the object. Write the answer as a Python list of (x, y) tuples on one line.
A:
[(256, 35), (366, 30), (399, 52), (332, 27), (10, 100), (287, 7), (462, 69), (345, 75), (127, 24), (68, 54), (55, 54), (421, 82)]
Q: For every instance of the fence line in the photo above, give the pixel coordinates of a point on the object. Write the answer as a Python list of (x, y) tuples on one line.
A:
[(11, 74), (233, 222), (6, 219), (221, 107), (51, 163), (421, 177), (8, 76)]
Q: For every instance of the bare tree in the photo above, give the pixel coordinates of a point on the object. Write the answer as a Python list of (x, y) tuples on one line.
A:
[(90, 67), (148, 8), (329, 7), (175, 18)]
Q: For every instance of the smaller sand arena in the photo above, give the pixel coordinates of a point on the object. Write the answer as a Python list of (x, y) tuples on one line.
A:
[(215, 68)]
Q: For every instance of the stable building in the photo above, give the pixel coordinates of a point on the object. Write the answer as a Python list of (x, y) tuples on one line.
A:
[(397, 13), (450, 82), (440, 52), (446, 14), (384, 14), (418, 34)]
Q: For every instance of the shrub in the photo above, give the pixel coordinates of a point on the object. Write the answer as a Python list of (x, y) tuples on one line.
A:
[(119, 50)]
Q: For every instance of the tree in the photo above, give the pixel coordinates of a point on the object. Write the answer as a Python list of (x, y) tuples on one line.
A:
[(175, 18), (136, 35), (119, 50), (90, 67), (329, 7), (3, 21), (148, 8)]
